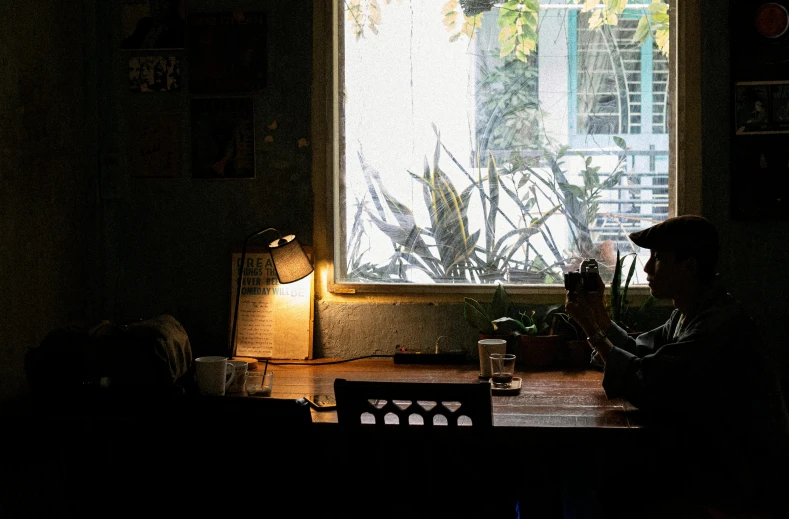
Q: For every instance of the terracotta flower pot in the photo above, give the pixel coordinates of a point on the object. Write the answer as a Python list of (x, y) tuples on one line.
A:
[(540, 351), (579, 353)]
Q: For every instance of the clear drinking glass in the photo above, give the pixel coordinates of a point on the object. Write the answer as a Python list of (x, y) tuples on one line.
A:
[(258, 384), (502, 368)]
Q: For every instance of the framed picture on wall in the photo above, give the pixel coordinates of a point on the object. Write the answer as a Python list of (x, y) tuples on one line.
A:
[(154, 74), (155, 144), (152, 24), (752, 108), (779, 113), (223, 137), (761, 107), (227, 52)]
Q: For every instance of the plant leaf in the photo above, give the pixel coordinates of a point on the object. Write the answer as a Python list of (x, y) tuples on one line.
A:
[(510, 325), (616, 288), (500, 306), (476, 316), (627, 282)]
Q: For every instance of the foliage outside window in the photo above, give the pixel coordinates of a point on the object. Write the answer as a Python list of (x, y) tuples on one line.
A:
[(486, 142)]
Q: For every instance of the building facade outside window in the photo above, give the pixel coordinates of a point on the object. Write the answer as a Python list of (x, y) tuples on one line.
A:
[(501, 143)]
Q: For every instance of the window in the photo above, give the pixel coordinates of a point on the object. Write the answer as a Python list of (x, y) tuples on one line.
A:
[(507, 156)]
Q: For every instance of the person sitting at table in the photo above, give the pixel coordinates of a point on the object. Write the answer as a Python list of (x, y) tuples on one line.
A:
[(703, 381)]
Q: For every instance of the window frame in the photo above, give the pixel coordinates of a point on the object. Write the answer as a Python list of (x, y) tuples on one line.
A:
[(684, 159)]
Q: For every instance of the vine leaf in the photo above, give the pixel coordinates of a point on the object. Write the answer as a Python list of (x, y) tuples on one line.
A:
[(364, 14), (655, 24), (457, 23), (518, 22)]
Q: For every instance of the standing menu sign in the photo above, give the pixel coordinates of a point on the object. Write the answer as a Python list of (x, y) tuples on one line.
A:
[(274, 320)]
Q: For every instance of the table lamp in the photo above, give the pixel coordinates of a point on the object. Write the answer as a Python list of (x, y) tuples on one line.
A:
[(290, 263)]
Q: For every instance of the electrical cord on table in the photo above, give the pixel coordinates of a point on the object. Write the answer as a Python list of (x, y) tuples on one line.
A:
[(340, 361)]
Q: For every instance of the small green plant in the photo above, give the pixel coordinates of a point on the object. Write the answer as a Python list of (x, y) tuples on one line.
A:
[(618, 309), (494, 318), (560, 323)]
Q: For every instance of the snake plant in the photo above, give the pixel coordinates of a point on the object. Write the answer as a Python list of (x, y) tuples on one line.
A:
[(494, 318)]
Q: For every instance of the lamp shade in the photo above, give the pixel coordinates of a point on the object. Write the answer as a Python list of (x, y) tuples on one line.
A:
[(290, 260)]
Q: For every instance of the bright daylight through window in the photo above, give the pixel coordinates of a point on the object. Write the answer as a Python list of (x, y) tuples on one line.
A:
[(486, 141)]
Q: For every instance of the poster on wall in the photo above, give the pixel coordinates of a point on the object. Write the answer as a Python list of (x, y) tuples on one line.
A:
[(152, 24), (154, 74), (274, 320), (761, 151), (227, 52), (761, 107), (155, 145), (223, 138)]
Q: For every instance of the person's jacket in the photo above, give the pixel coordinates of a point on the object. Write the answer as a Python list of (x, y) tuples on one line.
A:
[(711, 387)]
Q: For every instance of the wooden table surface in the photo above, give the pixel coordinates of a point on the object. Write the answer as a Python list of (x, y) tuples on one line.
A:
[(548, 399)]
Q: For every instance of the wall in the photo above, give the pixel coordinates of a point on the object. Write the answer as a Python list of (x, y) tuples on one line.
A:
[(171, 238), (753, 253), (48, 204)]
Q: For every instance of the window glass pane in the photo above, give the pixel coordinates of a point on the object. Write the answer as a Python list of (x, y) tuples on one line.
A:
[(660, 98), (506, 145), (609, 78)]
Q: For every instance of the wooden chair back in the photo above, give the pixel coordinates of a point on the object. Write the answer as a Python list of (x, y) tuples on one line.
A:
[(419, 450), (411, 404)]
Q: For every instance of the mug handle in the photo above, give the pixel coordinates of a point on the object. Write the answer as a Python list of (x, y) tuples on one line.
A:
[(230, 370)]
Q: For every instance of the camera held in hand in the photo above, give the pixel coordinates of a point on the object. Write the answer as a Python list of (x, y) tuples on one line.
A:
[(583, 279)]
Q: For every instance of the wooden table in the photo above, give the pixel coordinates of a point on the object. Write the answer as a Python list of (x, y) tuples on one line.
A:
[(560, 427), (548, 399), (559, 421)]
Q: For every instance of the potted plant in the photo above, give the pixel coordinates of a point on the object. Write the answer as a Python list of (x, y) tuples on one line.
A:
[(575, 352), (474, 7), (493, 320), (542, 349), (527, 335), (626, 318), (618, 305)]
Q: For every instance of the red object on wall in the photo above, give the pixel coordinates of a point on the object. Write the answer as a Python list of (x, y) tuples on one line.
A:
[(771, 20)]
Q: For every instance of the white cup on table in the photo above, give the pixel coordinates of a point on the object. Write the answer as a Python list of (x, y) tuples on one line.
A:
[(486, 347), (214, 375), (240, 369)]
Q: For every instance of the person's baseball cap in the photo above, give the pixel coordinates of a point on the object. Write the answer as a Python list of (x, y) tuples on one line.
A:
[(689, 235)]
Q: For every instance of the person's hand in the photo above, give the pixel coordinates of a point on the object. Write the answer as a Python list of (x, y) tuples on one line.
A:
[(587, 308)]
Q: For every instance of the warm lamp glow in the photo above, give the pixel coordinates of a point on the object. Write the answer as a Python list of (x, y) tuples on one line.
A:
[(290, 262)]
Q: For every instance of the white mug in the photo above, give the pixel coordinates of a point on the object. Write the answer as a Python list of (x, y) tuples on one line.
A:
[(486, 347), (240, 370), (214, 375)]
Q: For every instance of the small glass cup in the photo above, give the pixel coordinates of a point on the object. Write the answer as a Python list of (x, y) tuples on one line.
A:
[(258, 384), (502, 368)]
